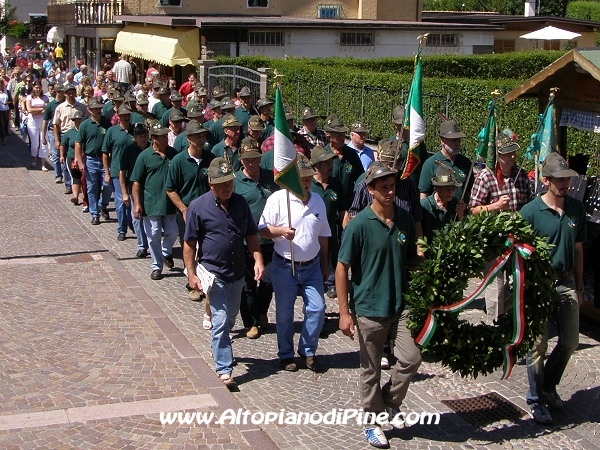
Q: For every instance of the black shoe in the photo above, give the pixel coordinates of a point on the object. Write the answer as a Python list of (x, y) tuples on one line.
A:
[(288, 364), (331, 292), (141, 253), (311, 363), (95, 220), (169, 261), (121, 237), (156, 274), (104, 214)]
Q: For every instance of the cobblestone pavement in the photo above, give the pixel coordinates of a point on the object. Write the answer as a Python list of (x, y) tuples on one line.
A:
[(91, 346)]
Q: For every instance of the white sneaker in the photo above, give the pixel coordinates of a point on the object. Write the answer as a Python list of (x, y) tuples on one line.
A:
[(385, 364), (376, 437)]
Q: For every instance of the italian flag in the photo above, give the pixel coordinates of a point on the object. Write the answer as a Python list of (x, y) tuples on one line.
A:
[(285, 168), (413, 121)]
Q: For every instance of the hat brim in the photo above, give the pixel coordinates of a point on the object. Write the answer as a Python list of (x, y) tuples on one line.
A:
[(398, 121), (453, 135), (232, 124), (565, 173), (160, 133), (251, 154), (509, 149), (322, 158), (360, 130), (446, 183), (223, 179), (381, 174), (336, 129), (307, 172), (198, 131)]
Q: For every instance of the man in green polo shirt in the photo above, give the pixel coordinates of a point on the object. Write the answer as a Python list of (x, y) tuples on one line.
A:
[(449, 154), (88, 154), (228, 147), (562, 220), (181, 143), (151, 200), (379, 244), (330, 189), (117, 138), (441, 207), (347, 166), (188, 178), (255, 185), (245, 110)]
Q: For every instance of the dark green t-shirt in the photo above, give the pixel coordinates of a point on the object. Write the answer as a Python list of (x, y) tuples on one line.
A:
[(377, 255), (434, 218), (116, 140), (562, 231), (256, 194), (150, 171), (334, 200), (347, 169), (129, 157), (187, 177), (137, 118), (232, 154), (268, 161), (67, 140), (91, 136), (159, 109), (461, 166), (49, 110)]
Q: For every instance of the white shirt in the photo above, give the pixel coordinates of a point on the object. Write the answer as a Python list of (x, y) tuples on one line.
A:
[(310, 222), (151, 102)]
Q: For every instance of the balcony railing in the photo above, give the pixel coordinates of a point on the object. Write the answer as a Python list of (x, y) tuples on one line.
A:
[(93, 12)]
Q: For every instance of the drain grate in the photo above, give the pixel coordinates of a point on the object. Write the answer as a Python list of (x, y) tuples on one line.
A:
[(485, 409), (79, 258)]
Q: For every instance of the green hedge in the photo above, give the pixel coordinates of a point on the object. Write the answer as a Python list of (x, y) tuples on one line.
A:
[(584, 10), (518, 65), (367, 95)]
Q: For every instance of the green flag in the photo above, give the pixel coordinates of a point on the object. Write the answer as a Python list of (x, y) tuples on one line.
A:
[(486, 149), (543, 141)]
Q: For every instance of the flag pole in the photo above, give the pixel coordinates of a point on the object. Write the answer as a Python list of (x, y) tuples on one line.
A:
[(277, 85)]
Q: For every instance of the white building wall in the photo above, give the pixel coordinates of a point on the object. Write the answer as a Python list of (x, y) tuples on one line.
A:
[(387, 43)]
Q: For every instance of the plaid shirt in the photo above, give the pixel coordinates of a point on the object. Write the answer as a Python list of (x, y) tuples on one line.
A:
[(486, 190), (318, 138), (300, 145)]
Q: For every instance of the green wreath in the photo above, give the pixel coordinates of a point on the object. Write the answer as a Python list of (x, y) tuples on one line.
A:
[(458, 252)]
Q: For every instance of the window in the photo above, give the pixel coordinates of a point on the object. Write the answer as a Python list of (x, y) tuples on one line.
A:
[(266, 38), (442, 40), (504, 45), (329, 11), (258, 3), (169, 2), (356, 40)]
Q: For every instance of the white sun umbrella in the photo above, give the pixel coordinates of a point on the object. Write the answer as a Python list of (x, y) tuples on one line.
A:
[(551, 33)]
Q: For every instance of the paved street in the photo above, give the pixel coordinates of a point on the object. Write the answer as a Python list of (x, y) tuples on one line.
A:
[(92, 350)]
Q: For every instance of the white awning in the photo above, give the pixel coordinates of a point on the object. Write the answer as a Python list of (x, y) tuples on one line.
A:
[(55, 35), (551, 34), (170, 47)]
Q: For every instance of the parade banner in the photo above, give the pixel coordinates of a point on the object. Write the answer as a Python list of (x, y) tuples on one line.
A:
[(486, 149), (413, 121), (543, 141), (285, 168), (523, 251)]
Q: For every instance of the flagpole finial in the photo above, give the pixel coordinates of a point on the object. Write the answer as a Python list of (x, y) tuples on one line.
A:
[(276, 77), (554, 91), (495, 93), (422, 37)]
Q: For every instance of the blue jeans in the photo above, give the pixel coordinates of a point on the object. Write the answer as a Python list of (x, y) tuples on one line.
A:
[(224, 307), (308, 282), (138, 228), (94, 180), (55, 155), (545, 377), (122, 211), (160, 246)]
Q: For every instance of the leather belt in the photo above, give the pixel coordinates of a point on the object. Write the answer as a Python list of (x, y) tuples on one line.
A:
[(297, 263)]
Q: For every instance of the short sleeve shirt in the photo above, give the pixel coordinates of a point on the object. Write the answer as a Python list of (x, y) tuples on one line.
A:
[(115, 141), (91, 136), (310, 222), (64, 113), (128, 158), (68, 141), (187, 177), (150, 171), (461, 167), (220, 234), (347, 169), (377, 255), (335, 201), (434, 217), (562, 231), (222, 150), (49, 111)]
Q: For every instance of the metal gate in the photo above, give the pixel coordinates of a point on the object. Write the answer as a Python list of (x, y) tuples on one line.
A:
[(230, 77)]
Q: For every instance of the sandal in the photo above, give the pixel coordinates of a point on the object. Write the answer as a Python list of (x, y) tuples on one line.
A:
[(206, 323), (228, 381)]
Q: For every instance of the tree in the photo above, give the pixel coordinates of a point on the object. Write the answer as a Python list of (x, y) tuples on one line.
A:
[(9, 23), (515, 7)]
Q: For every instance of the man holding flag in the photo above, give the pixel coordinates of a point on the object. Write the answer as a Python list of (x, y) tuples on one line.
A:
[(296, 221)]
